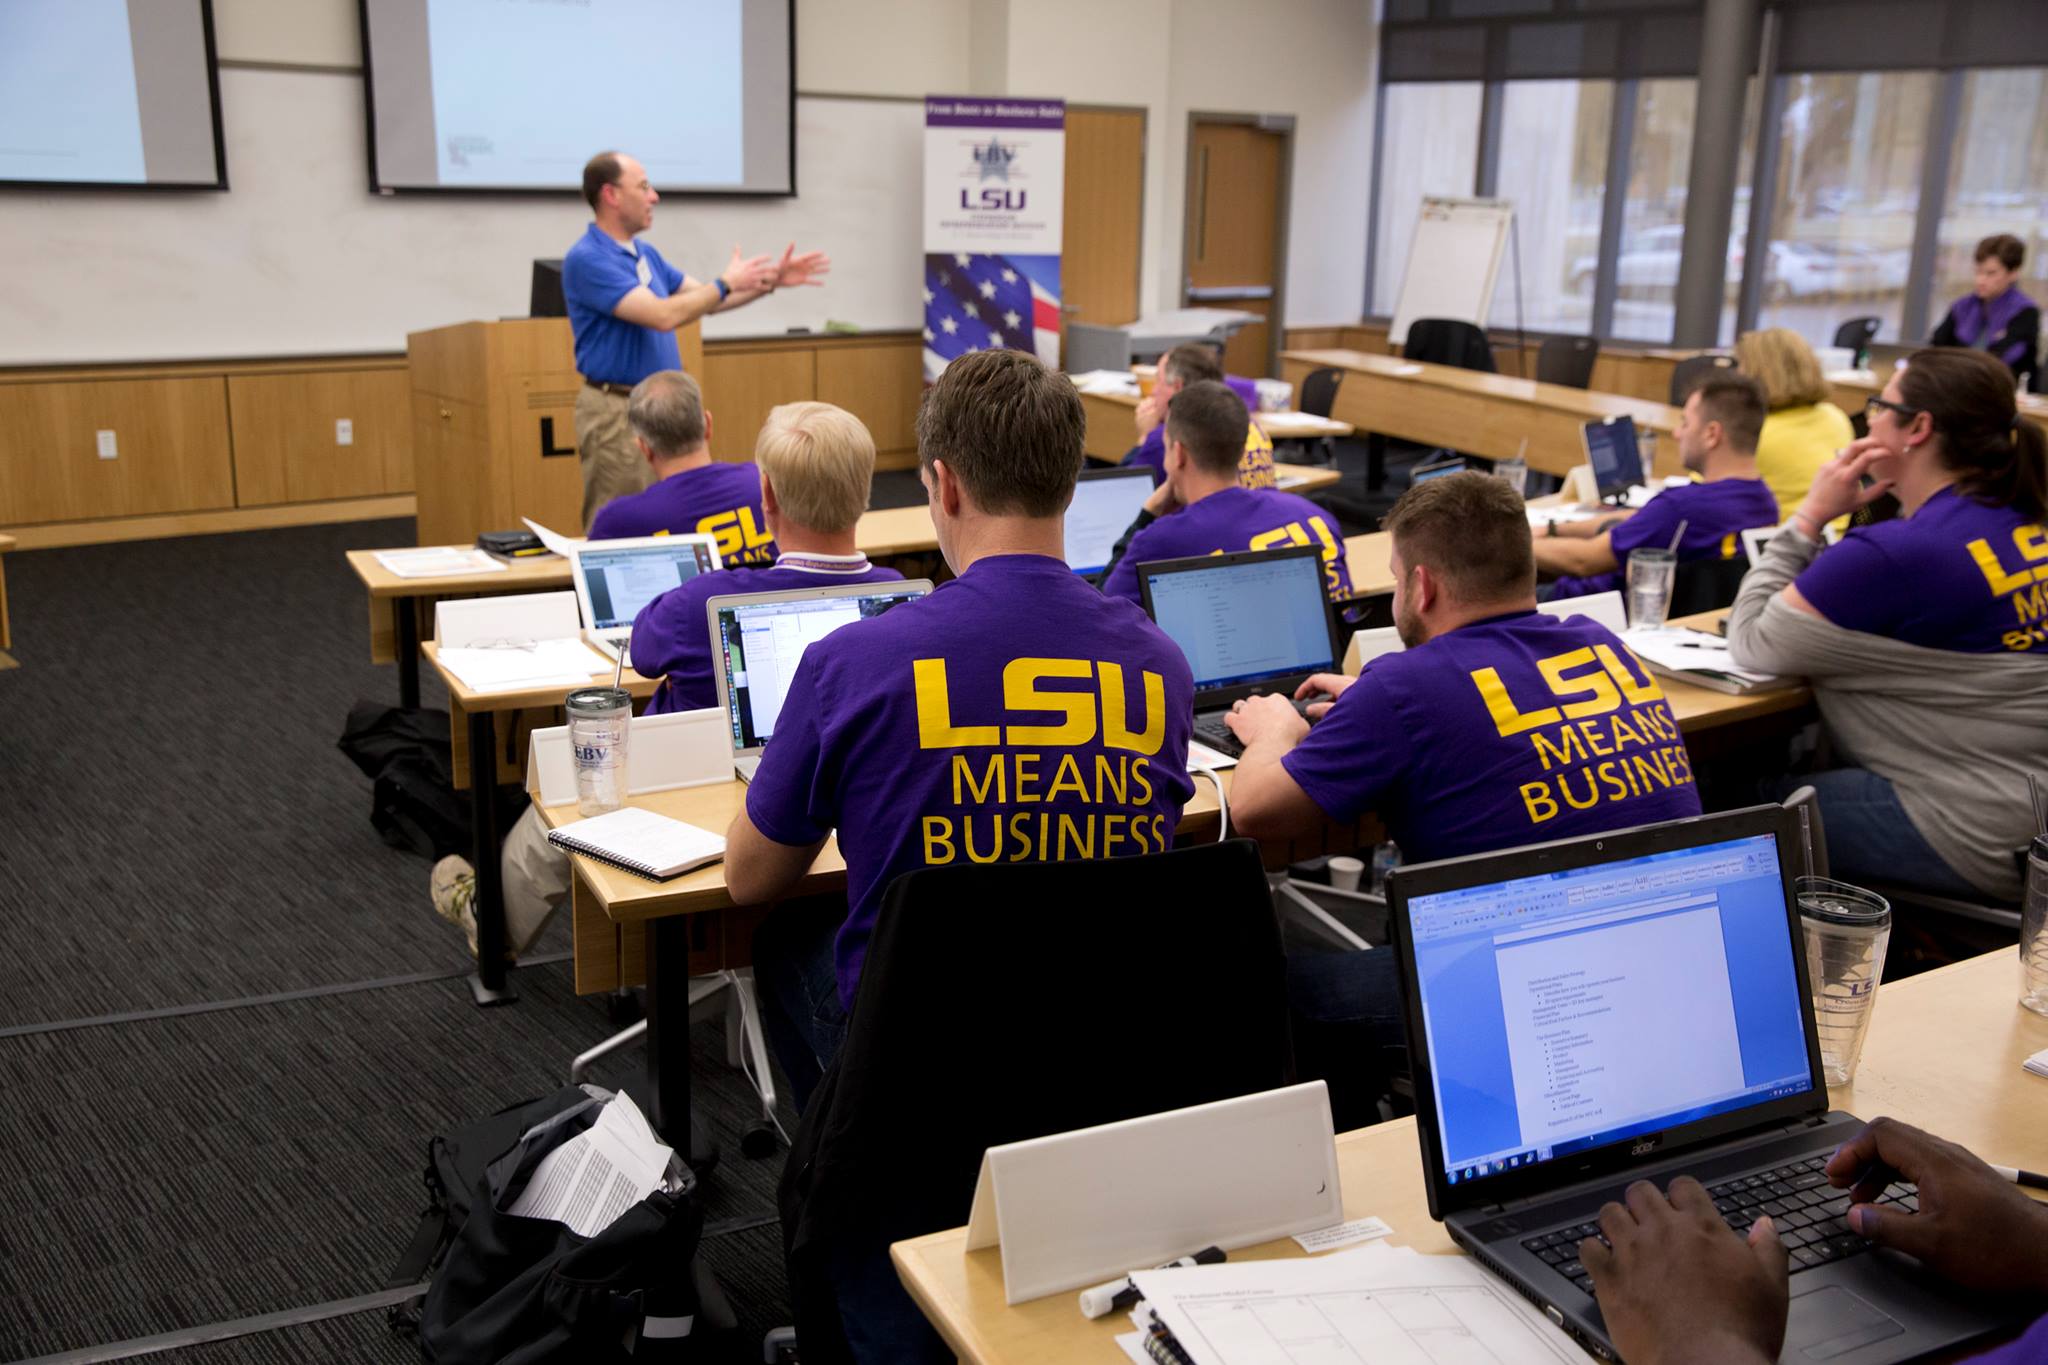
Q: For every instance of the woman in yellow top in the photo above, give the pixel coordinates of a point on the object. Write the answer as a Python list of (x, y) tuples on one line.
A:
[(1803, 429)]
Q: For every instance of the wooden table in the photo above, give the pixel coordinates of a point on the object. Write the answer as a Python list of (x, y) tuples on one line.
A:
[(1113, 426), (1944, 1052), (892, 533), (1850, 390), (1485, 414)]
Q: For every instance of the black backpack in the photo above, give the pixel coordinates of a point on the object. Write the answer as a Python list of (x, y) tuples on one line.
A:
[(406, 753), (525, 1290)]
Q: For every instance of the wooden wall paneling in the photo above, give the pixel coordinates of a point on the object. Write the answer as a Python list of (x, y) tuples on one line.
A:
[(171, 435), (1314, 339), (1249, 350), (451, 448), (1103, 216), (450, 362), (881, 384), (743, 381), (284, 434), (537, 421)]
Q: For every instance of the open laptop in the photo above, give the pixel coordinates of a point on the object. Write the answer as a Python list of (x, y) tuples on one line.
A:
[(1106, 502), (1612, 451), (757, 639), (1633, 1006), (1255, 621), (615, 578)]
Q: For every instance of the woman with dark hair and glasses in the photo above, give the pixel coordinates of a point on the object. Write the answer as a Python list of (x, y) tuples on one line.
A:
[(1925, 638), (1995, 316)]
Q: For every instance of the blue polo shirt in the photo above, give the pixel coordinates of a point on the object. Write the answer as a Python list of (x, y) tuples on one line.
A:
[(596, 273)]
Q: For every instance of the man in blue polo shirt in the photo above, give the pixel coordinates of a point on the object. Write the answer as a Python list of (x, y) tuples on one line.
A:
[(625, 303)]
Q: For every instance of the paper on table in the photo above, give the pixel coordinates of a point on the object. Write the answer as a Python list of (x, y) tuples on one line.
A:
[(1132, 1344), (438, 561), (1105, 381), (554, 540), (1374, 1302), (1539, 516), (535, 664), (588, 1181), (1678, 648), (1343, 1234), (2038, 1063), (1200, 754)]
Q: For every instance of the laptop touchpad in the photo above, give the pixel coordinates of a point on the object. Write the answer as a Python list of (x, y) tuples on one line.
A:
[(1831, 1321)]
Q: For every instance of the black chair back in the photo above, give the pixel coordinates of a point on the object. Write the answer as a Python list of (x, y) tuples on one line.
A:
[(1010, 1001), (1687, 374), (1319, 391), (1567, 360), (1857, 333), (1707, 584), (1448, 341)]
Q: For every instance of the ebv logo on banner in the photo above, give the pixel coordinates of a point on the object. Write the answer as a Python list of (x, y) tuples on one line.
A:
[(994, 160)]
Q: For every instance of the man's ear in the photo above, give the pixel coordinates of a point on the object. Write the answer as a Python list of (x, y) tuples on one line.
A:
[(945, 488), (1423, 589), (707, 428), (769, 506), (646, 450)]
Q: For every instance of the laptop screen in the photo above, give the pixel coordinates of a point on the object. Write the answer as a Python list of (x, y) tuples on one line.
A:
[(1246, 618), (760, 644), (1616, 458), (1104, 506), (1575, 1009), (624, 580)]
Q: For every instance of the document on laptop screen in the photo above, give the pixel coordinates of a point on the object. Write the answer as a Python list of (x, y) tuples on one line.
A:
[(1573, 1009), (1237, 623)]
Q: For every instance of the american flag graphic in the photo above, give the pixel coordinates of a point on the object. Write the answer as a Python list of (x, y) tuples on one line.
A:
[(976, 302)]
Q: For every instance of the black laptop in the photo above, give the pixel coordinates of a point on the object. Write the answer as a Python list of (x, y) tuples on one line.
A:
[(1251, 622), (1633, 1006)]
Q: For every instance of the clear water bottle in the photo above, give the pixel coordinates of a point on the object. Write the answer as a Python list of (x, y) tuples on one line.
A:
[(1385, 859), (600, 718)]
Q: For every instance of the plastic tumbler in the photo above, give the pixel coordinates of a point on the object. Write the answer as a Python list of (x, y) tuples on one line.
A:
[(1651, 574), (600, 718), (2034, 929), (1847, 929), (1514, 473)]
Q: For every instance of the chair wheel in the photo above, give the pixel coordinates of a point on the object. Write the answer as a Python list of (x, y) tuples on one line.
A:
[(758, 1141)]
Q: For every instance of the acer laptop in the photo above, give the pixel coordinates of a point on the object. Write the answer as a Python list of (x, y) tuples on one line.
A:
[(758, 638), (1633, 1006), (616, 578), (1251, 622)]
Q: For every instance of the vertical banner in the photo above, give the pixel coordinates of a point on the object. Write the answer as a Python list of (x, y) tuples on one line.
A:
[(994, 192)]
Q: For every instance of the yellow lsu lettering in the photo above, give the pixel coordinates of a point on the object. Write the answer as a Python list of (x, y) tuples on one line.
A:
[(735, 530), (1296, 533), (1077, 708), (1039, 836), (2032, 544), (1593, 674), (1613, 779)]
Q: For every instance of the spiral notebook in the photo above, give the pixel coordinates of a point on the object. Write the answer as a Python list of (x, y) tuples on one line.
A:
[(641, 842)]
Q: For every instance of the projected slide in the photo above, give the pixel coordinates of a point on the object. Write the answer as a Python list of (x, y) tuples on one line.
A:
[(658, 78), (105, 92)]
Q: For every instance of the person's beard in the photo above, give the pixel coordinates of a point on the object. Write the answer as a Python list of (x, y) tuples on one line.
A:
[(1408, 624)]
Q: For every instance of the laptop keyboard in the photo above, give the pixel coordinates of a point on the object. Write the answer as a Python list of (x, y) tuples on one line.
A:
[(1809, 1213), (1213, 732)]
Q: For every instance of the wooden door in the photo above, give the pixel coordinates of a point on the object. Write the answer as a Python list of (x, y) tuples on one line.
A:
[(1104, 218), (1236, 183)]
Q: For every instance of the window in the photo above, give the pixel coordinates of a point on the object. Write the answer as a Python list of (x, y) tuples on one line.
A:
[(1653, 211), (1851, 152), (1997, 182), (1557, 186), (1429, 145)]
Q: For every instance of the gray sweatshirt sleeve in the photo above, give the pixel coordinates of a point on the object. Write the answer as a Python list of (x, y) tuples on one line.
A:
[(1762, 633)]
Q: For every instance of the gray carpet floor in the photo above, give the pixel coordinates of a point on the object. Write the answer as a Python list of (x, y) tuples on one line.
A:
[(177, 828)]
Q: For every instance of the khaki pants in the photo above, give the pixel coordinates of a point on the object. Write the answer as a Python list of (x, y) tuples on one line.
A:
[(612, 463), (536, 876)]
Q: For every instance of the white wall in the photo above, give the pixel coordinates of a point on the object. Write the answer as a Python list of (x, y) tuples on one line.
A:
[(300, 258)]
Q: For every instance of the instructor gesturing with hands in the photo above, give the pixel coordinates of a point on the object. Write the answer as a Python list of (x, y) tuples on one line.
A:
[(625, 303)]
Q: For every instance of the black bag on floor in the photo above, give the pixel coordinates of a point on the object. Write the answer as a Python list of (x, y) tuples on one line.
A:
[(406, 753), (522, 1290)]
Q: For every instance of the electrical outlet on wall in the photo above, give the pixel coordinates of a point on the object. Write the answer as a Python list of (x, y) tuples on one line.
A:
[(108, 450), (344, 432)]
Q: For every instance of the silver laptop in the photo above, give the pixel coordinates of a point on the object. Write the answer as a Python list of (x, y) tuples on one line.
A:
[(1633, 1006), (1106, 502), (758, 638), (616, 578)]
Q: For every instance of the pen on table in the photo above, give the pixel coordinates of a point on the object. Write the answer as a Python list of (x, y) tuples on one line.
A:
[(1120, 1293), (2031, 1179)]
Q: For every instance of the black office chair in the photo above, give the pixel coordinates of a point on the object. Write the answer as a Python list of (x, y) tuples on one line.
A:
[(1011, 1001), (1567, 361), (1688, 373), (1706, 584), (1317, 397), (1448, 341), (1856, 334)]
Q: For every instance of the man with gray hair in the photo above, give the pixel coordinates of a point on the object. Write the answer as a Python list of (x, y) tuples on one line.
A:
[(689, 491)]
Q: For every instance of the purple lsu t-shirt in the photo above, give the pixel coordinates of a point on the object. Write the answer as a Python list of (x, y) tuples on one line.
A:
[(1715, 516), (1014, 715), (672, 635), (1511, 730), (1254, 467), (716, 499), (1232, 520), (1956, 575)]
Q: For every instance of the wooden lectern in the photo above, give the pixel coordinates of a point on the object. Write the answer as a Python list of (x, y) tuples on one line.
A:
[(494, 426)]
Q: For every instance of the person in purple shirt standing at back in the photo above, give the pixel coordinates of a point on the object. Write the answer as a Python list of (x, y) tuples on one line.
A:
[(1015, 714), (1717, 435), (1202, 509), (1925, 638), (1676, 1287), (691, 491), (816, 464), (1995, 316)]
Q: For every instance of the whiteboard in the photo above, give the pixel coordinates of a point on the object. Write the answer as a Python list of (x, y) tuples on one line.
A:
[(1452, 261), (299, 257)]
